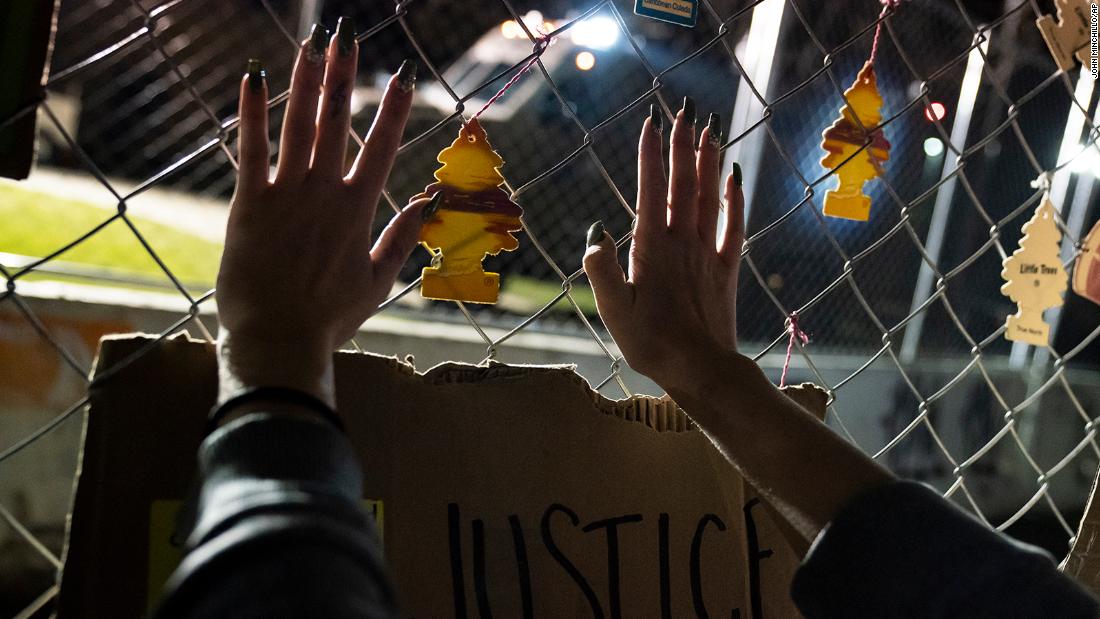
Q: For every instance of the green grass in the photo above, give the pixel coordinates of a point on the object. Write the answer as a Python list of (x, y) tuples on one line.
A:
[(540, 292), (36, 224)]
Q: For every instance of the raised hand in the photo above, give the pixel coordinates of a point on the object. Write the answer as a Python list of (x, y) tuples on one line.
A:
[(299, 273), (675, 308)]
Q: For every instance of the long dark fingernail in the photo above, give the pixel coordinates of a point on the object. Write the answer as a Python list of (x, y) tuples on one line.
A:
[(345, 35), (689, 110), (406, 75), (595, 234), (737, 174), (318, 39), (714, 130), (256, 75), (655, 117), (432, 206)]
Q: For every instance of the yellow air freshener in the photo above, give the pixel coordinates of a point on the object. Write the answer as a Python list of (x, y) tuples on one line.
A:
[(843, 141), (475, 219)]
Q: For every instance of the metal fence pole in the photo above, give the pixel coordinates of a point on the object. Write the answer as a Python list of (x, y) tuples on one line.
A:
[(941, 212)]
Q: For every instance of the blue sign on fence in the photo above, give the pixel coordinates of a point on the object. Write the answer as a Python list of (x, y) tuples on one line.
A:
[(682, 12)]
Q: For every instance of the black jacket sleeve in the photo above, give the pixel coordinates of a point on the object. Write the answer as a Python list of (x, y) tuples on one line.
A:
[(279, 530), (904, 551)]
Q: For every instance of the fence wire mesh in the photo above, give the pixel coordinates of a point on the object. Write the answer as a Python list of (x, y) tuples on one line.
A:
[(142, 96)]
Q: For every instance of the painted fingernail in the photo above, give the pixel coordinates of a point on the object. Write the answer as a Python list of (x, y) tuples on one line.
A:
[(689, 110), (655, 117), (595, 234), (406, 75), (256, 75), (432, 206), (737, 174), (318, 39), (345, 35), (714, 130)]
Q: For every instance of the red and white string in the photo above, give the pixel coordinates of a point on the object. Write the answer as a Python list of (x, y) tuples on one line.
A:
[(796, 333), (542, 42)]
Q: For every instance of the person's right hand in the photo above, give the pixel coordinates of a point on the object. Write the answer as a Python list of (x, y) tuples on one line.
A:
[(675, 312)]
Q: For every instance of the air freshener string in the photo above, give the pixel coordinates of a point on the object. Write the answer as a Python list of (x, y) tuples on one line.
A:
[(542, 42), (886, 6), (796, 333)]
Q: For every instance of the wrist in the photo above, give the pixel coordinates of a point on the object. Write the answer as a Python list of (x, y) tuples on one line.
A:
[(725, 375), (272, 400), (246, 362)]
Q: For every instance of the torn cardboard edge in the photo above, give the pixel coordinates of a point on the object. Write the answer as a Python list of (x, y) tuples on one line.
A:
[(658, 413)]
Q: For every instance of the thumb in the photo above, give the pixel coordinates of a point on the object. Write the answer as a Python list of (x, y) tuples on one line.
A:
[(601, 264), (400, 237)]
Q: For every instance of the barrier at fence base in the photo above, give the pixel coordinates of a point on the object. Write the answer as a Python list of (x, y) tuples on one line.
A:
[(530, 455)]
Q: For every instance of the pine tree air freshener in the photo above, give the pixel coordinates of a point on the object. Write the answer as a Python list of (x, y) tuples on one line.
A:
[(475, 219), (844, 143), (1034, 277)]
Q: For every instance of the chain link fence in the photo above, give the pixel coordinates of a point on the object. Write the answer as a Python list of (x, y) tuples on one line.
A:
[(904, 311)]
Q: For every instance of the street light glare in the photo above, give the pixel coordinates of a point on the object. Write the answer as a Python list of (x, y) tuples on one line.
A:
[(585, 61), (1087, 160), (599, 32), (934, 112), (933, 147), (511, 30)]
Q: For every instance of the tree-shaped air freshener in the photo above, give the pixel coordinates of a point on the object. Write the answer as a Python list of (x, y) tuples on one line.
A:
[(843, 141), (1034, 277), (476, 218)]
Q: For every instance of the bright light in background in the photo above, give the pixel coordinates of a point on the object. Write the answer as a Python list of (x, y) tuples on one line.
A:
[(599, 32), (933, 147), (1087, 161), (511, 30), (1075, 123), (585, 61), (534, 21), (936, 111), (756, 54)]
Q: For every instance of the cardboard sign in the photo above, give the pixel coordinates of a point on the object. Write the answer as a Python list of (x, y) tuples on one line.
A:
[(681, 12), (516, 491)]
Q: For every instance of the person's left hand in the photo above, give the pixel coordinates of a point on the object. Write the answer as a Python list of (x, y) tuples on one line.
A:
[(299, 274)]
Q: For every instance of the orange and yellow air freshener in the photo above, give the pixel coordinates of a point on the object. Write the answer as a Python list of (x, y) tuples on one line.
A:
[(475, 219)]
